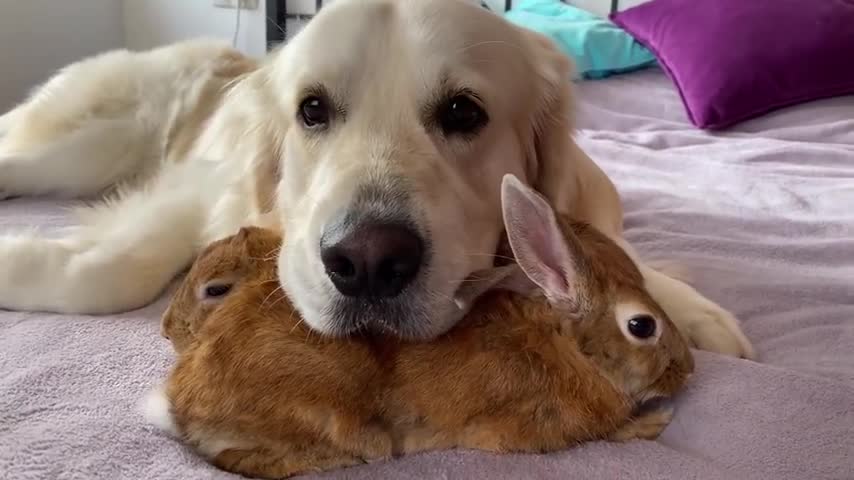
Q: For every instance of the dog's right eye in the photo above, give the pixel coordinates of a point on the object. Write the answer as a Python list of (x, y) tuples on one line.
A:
[(461, 115), (314, 112)]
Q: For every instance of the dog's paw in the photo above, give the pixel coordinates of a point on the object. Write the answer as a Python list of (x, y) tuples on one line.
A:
[(715, 330), (31, 271)]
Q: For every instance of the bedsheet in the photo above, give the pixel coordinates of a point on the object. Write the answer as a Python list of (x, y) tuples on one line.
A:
[(760, 217)]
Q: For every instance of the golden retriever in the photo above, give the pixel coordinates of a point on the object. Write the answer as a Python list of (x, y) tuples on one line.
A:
[(377, 138)]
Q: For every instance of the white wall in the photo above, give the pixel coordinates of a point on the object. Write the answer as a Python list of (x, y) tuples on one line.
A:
[(151, 23), (39, 36)]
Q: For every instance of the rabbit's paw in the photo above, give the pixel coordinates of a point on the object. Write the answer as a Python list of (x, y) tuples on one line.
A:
[(285, 461), (647, 425)]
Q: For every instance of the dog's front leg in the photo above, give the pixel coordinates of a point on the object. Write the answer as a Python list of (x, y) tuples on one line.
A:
[(122, 255), (79, 163), (704, 323)]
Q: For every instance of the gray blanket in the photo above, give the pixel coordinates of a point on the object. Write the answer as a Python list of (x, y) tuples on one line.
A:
[(761, 217)]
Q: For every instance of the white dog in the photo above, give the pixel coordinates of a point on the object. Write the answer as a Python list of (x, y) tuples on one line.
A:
[(377, 138)]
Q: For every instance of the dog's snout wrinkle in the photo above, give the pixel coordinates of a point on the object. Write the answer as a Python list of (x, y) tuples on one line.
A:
[(371, 260)]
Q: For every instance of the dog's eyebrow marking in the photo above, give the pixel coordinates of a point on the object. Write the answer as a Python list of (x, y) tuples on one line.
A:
[(437, 94)]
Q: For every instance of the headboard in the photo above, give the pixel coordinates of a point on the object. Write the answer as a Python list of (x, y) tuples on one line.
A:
[(284, 22)]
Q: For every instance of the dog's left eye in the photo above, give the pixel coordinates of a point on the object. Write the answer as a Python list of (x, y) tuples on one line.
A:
[(314, 112), (461, 114)]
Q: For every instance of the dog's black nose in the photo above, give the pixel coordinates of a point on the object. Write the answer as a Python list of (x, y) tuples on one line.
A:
[(372, 260)]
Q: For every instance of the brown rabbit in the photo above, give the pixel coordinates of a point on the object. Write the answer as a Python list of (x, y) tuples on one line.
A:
[(566, 346)]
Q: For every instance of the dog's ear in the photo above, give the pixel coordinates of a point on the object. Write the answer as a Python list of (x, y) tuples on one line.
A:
[(246, 128), (266, 132), (553, 146), (573, 184)]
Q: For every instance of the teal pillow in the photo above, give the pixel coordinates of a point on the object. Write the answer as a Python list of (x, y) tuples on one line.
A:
[(598, 47)]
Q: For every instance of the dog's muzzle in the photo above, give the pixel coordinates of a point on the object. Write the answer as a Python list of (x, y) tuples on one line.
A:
[(375, 256)]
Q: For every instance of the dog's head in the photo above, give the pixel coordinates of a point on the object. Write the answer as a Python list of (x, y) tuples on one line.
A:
[(398, 120)]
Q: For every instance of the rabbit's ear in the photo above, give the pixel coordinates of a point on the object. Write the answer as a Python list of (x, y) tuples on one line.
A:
[(537, 241)]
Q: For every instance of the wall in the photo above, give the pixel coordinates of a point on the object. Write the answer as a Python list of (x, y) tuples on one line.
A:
[(151, 23), (37, 37)]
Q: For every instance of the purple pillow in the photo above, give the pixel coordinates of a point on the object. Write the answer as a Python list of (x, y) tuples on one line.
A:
[(733, 60)]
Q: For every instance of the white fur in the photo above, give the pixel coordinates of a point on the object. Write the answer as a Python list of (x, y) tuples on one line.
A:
[(6, 121), (212, 445), (194, 149), (100, 125), (84, 162), (156, 410), (122, 254)]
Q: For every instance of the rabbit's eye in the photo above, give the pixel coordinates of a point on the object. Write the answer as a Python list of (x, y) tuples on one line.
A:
[(216, 291), (642, 326)]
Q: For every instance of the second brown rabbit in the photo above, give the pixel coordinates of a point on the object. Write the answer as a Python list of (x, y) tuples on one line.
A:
[(563, 347)]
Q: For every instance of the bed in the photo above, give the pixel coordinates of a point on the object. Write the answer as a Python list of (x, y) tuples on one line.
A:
[(759, 217)]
